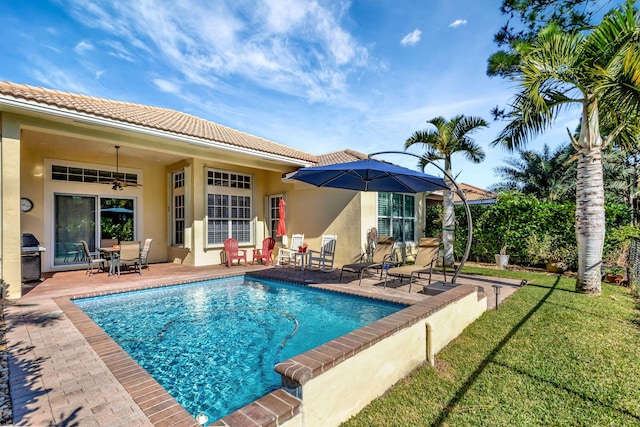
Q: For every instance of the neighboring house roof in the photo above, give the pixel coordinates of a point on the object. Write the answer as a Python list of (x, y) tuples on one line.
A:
[(343, 156), (475, 195), (161, 119)]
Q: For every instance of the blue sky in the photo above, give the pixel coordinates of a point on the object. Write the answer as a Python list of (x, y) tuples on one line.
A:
[(317, 75)]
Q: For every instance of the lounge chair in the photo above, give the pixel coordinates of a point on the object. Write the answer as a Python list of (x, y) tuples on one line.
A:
[(382, 254), (92, 259), (233, 253), (287, 255), (323, 259), (425, 259), (265, 253)]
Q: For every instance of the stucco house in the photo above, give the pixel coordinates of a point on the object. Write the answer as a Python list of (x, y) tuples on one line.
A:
[(185, 182)]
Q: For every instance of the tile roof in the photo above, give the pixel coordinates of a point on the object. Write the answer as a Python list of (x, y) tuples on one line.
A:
[(474, 194), (343, 156), (177, 123), (161, 119)]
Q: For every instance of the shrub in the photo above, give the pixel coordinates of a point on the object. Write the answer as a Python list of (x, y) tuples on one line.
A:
[(533, 231), (616, 244)]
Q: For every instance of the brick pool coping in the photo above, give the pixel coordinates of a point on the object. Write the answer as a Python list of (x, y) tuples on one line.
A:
[(276, 407)]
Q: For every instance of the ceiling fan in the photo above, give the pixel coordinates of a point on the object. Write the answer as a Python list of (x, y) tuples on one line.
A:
[(119, 181)]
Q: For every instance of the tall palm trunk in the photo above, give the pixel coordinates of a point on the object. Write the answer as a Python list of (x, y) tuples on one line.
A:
[(590, 220), (449, 218)]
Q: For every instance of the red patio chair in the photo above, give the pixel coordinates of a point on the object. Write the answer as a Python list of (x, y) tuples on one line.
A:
[(265, 253), (232, 251)]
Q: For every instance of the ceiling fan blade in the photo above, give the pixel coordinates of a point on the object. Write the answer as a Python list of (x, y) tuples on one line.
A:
[(118, 182)]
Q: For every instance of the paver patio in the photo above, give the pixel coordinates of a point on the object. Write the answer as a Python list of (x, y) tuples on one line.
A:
[(60, 376)]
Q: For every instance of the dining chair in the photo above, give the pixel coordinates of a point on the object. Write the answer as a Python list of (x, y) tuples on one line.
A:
[(129, 256), (93, 259), (107, 243), (144, 253)]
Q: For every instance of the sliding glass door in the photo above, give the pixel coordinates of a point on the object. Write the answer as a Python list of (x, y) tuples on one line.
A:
[(92, 219), (75, 221)]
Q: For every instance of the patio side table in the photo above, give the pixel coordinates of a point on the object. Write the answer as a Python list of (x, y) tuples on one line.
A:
[(301, 259)]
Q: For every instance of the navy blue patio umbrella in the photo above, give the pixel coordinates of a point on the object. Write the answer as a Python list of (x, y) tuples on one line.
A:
[(376, 175), (370, 175), (118, 210)]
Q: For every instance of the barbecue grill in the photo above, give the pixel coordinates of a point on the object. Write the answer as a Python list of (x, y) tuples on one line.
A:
[(31, 258)]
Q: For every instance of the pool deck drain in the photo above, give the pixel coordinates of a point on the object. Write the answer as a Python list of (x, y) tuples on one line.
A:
[(65, 371)]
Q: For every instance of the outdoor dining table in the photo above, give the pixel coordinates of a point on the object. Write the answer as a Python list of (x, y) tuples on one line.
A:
[(114, 255)]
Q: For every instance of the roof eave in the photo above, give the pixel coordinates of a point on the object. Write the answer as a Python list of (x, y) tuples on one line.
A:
[(115, 124)]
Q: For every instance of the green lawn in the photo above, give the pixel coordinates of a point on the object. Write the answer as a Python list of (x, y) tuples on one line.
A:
[(548, 356)]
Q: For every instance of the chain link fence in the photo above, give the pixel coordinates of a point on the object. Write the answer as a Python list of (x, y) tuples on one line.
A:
[(633, 264)]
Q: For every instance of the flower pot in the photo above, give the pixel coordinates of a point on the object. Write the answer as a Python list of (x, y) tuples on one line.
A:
[(502, 260), (614, 278), (558, 267)]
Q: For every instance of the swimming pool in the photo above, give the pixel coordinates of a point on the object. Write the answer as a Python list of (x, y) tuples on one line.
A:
[(213, 345)]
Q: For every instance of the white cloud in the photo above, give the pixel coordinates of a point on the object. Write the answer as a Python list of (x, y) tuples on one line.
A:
[(458, 22), (52, 76), (412, 38), (296, 47), (167, 86), (119, 51), (83, 47)]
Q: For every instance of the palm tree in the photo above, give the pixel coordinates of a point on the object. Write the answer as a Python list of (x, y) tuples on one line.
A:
[(547, 175), (448, 137), (600, 72)]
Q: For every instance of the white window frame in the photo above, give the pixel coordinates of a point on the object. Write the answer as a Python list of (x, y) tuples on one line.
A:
[(226, 186), (273, 213), (394, 219), (178, 207)]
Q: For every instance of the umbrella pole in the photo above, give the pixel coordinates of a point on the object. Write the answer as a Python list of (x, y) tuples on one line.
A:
[(460, 194)]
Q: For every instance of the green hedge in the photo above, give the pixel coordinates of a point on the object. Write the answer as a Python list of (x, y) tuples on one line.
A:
[(532, 230)]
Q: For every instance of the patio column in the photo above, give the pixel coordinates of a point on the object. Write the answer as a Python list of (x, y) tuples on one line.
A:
[(10, 243)]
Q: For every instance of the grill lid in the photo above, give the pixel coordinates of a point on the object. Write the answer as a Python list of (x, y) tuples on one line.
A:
[(29, 240)]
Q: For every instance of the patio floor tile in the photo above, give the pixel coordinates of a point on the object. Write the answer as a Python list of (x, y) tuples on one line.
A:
[(65, 371)]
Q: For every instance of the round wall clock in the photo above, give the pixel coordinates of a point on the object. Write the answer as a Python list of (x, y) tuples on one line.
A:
[(25, 204)]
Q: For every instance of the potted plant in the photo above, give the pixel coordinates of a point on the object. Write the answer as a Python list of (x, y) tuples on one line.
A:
[(303, 247), (615, 274), (545, 251), (502, 259)]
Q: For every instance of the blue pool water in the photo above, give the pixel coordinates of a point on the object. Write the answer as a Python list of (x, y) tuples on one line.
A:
[(213, 345)]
